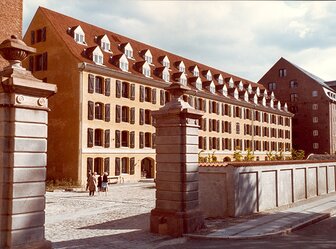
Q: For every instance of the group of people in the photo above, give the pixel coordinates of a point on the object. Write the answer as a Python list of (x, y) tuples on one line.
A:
[(97, 182)]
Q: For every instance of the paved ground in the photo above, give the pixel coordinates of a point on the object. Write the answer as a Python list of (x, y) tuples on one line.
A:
[(121, 220)]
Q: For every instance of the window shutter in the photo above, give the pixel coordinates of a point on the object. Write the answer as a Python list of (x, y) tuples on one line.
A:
[(234, 111), (223, 109), (31, 63), (162, 97), (205, 143), (132, 138), (107, 87), (204, 105), (90, 137), (204, 124), (153, 140), (45, 61), (217, 125), (89, 166), (107, 112), (132, 115), (154, 96), (107, 138), (132, 165), (118, 113), (44, 34), (217, 143), (196, 103), (223, 126), (141, 139), (32, 37), (90, 110), (118, 88), (142, 116), (210, 143), (210, 124), (217, 108), (142, 93), (230, 128), (117, 139), (190, 101), (107, 165), (91, 83), (210, 106), (117, 166), (132, 91)]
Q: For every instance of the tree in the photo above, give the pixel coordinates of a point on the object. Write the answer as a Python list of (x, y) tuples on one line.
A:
[(298, 154), (249, 155), (237, 154)]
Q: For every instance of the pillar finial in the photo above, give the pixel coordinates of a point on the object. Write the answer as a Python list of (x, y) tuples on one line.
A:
[(15, 51)]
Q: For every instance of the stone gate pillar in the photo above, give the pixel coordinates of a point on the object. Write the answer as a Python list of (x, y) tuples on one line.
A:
[(177, 206), (23, 147)]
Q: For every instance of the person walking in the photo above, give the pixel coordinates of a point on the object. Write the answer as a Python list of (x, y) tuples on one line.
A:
[(105, 183), (99, 185), (92, 184)]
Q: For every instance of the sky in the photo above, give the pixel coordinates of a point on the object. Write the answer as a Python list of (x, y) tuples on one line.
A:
[(244, 38)]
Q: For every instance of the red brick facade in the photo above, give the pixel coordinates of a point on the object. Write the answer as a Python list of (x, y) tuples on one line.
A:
[(11, 21), (314, 121)]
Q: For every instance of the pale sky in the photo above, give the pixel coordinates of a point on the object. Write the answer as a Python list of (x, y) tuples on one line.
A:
[(242, 38)]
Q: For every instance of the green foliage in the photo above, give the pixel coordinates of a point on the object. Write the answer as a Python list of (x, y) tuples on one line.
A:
[(237, 154), (210, 158), (279, 156), (298, 154), (270, 156), (249, 155)]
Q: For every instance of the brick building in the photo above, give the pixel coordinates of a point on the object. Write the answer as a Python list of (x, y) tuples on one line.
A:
[(11, 21), (108, 85), (311, 99)]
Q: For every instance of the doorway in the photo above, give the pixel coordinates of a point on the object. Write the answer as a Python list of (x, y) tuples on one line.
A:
[(147, 168)]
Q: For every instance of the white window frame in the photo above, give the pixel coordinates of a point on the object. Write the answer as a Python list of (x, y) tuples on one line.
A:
[(315, 107), (315, 146), (315, 119), (315, 133), (314, 93)]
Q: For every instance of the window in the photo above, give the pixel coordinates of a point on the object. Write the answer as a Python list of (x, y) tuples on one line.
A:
[(315, 106), (148, 117), (125, 165), (314, 93), (98, 59), (293, 84), (294, 97), (148, 94), (315, 119), (125, 90), (79, 38), (105, 46), (166, 64), (294, 109), (123, 65), (99, 85), (237, 128), (166, 76), (146, 71), (315, 146), (99, 111), (181, 68), (183, 81), (125, 114), (271, 86), (98, 138), (315, 133), (149, 59), (148, 141), (41, 61), (41, 35), (282, 72), (124, 138)]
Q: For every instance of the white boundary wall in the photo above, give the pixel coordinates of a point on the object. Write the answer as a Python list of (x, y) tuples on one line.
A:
[(240, 189)]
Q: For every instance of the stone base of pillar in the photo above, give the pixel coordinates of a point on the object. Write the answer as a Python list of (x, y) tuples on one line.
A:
[(44, 244), (176, 223)]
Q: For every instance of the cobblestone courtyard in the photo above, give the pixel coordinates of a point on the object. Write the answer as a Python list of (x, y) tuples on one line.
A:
[(118, 220)]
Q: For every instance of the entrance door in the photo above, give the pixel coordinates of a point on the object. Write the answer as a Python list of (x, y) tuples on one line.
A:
[(147, 168)]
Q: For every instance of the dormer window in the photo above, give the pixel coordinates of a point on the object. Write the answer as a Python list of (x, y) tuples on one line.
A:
[(95, 54), (98, 59), (183, 79), (199, 84), (230, 82), (225, 91), (128, 50), (240, 85), (181, 67), (146, 70), (104, 42), (236, 94), (147, 55), (220, 79), (105, 46), (78, 34), (165, 75), (195, 71), (255, 99), (123, 63), (165, 61), (246, 96), (258, 91), (212, 88), (249, 88), (208, 75)]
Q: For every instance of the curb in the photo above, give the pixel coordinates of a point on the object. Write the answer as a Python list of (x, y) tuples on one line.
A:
[(327, 214)]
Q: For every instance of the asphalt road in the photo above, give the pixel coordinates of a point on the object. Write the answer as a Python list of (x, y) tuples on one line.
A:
[(319, 235)]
